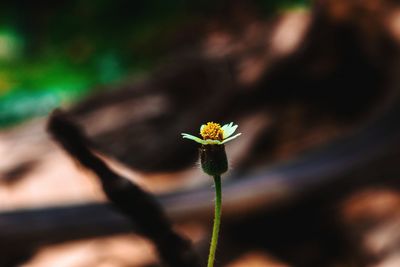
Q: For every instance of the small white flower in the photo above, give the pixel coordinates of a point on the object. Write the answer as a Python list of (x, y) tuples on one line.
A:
[(214, 134)]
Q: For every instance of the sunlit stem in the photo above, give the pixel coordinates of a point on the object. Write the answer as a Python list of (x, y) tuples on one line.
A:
[(217, 220)]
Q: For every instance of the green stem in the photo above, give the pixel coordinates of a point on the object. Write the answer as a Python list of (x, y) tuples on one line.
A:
[(217, 220)]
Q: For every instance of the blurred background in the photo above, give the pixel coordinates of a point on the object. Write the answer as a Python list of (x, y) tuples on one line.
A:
[(313, 86)]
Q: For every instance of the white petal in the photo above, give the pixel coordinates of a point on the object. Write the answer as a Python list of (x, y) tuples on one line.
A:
[(194, 138), (225, 127), (202, 126), (229, 130), (228, 125), (230, 138)]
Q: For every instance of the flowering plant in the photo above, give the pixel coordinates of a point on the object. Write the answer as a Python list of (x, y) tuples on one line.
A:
[(214, 162)]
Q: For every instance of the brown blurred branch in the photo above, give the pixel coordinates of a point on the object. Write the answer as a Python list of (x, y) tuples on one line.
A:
[(140, 207)]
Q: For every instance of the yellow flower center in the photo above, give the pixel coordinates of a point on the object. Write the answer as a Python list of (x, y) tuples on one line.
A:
[(212, 131)]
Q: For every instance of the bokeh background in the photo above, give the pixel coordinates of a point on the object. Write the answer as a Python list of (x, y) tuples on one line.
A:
[(313, 86)]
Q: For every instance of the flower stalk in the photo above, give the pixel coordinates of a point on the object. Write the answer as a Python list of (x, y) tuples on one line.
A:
[(217, 221)]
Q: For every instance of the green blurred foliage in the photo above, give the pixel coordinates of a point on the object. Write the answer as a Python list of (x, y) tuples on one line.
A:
[(56, 52)]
